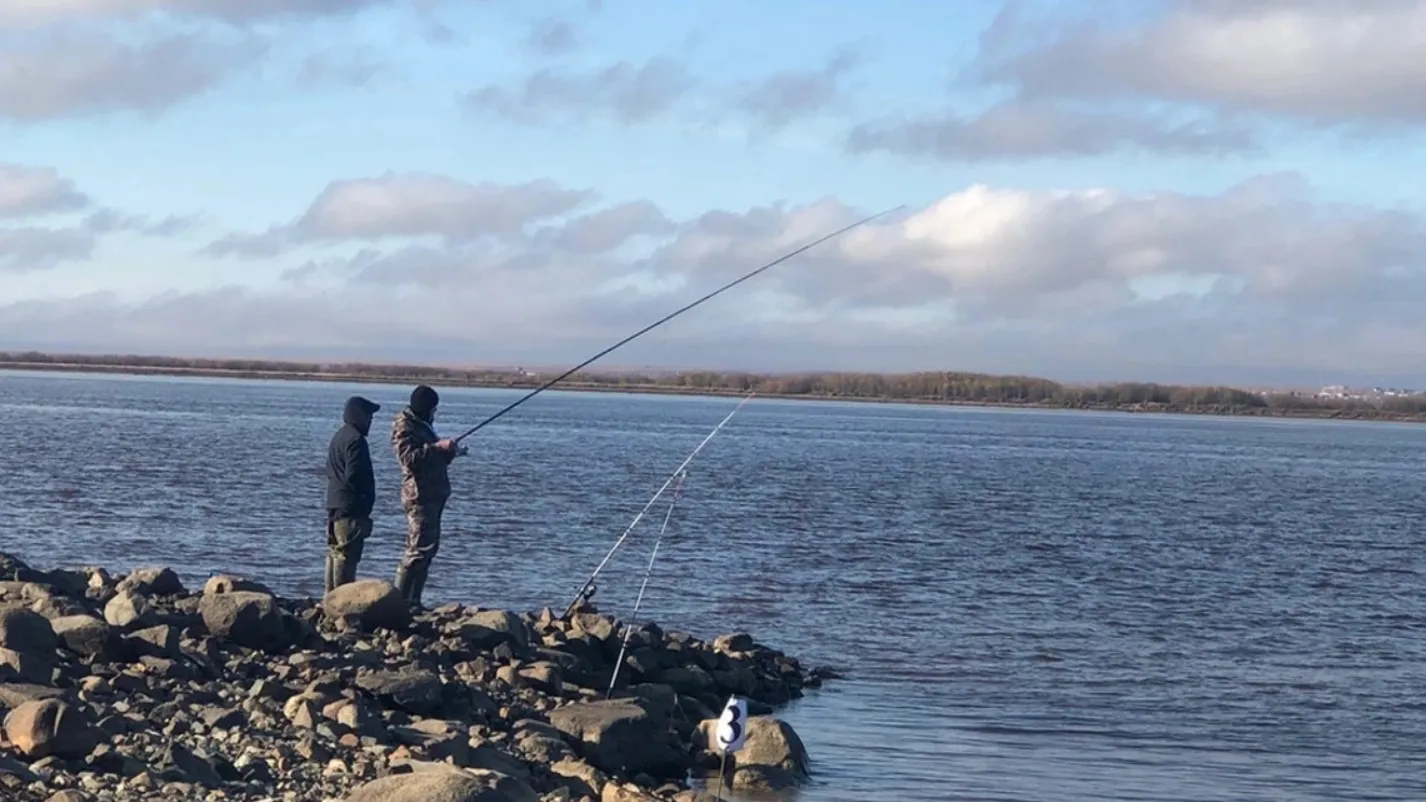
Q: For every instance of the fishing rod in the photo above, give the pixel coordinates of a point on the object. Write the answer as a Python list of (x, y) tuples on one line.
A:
[(648, 572), (517, 402), (588, 583)]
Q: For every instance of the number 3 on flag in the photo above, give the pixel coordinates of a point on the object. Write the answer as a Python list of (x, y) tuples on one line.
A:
[(732, 725)]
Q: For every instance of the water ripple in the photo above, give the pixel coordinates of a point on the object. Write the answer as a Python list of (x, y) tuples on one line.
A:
[(1029, 606)]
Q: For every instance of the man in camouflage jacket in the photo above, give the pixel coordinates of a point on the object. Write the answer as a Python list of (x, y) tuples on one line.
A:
[(425, 487)]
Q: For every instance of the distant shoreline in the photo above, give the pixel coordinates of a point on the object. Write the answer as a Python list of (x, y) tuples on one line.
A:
[(614, 385)]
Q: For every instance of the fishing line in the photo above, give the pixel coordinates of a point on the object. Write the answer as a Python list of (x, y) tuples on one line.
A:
[(517, 402), (648, 572), (580, 596)]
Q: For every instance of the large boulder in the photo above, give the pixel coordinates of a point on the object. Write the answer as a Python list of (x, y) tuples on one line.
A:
[(87, 636), (411, 689), (153, 581), (248, 619), (26, 631), (129, 610), (770, 742), (375, 603), (444, 785), (620, 735), (51, 727), (490, 628)]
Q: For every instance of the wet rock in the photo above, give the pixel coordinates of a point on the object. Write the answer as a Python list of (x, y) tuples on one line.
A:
[(444, 785), (248, 619), (770, 742), (373, 603), (50, 727), (765, 780)]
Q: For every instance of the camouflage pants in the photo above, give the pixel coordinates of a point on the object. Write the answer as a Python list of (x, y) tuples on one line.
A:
[(346, 538), (423, 540)]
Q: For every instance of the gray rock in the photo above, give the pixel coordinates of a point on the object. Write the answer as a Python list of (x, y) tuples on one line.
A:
[(373, 603), (50, 727), (765, 781), (411, 689), (26, 631), (620, 735), (227, 583), (158, 641), (88, 636), (128, 610), (248, 619), (444, 785), (155, 581)]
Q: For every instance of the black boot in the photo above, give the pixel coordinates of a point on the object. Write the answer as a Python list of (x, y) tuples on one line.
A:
[(404, 579), (418, 583)]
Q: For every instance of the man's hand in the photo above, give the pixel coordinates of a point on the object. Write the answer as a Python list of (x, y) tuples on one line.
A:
[(446, 445)]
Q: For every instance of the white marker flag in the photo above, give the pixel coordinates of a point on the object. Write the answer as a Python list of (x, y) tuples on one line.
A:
[(733, 725)]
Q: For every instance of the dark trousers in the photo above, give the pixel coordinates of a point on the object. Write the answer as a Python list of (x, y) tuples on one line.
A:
[(423, 540), (346, 537)]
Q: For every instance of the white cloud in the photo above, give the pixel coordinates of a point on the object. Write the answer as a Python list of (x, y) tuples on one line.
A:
[(26, 191), (39, 12), (1321, 61), (992, 278)]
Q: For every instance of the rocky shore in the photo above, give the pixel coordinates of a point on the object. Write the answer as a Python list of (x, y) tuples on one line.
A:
[(136, 688)]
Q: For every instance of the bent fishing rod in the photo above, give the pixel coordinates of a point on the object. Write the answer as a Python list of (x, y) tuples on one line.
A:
[(666, 318), (678, 472)]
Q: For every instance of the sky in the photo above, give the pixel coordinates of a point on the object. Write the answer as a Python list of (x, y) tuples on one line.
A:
[(1194, 191)]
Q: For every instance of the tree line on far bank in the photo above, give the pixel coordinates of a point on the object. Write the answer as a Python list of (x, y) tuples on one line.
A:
[(925, 386)]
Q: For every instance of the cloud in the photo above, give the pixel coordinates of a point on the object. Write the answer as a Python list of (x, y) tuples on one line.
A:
[(621, 91), (64, 72), (783, 97), (1320, 62), (410, 205), (26, 191), (552, 37), (40, 12), (1083, 282), (1020, 130), (340, 67)]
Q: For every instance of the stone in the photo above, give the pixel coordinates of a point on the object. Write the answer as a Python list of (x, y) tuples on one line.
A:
[(26, 666), (154, 581), (52, 607), (619, 735), (444, 785), (414, 690), (770, 742), (26, 631), (87, 636), (373, 603), (490, 628), (158, 641), (227, 583), (50, 727), (765, 780), (128, 610), (579, 777), (248, 619), (734, 643)]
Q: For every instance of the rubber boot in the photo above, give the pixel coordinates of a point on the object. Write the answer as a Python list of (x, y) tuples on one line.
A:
[(418, 582), (404, 582), (331, 580)]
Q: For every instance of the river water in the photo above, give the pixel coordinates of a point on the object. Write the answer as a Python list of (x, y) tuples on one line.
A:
[(1028, 605)]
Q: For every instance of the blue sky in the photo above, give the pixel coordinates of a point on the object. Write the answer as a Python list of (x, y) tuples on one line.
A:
[(1176, 191)]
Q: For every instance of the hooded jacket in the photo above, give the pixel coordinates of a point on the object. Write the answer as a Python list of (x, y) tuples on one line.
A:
[(424, 477), (351, 483)]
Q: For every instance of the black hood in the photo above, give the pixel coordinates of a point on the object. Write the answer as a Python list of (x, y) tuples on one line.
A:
[(358, 412)]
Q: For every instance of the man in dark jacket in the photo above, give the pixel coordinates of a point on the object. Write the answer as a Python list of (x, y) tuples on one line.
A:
[(425, 485), (351, 491)]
